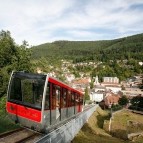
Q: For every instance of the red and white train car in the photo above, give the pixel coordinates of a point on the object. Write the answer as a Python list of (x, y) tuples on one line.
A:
[(39, 102)]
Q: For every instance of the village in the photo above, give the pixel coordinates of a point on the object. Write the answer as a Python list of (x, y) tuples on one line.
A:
[(106, 93)]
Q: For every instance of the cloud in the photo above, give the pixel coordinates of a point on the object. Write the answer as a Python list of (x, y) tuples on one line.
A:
[(42, 21)]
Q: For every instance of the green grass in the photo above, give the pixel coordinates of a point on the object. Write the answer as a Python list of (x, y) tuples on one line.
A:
[(5, 123)]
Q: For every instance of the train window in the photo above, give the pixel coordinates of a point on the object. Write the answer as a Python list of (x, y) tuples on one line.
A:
[(38, 87), (27, 91), (47, 103), (81, 100), (15, 90), (64, 98), (76, 99), (69, 98), (55, 96), (32, 91), (73, 99), (53, 102)]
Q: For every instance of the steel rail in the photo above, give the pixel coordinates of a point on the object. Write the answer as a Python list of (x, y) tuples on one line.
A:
[(10, 132)]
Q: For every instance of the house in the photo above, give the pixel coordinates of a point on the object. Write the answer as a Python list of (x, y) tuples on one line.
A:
[(111, 80), (81, 83), (69, 77), (97, 93), (111, 83), (96, 96), (111, 99)]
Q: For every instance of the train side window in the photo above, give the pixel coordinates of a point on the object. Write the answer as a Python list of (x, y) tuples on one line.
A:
[(64, 98), (38, 87), (53, 102), (81, 100), (73, 99), (58, 91), (15, 93), (76, 99), (47, 99), (55, 96), (69, 98), (27, 91)]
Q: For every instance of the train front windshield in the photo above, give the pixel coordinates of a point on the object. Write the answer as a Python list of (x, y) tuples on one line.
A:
[(27, 89)]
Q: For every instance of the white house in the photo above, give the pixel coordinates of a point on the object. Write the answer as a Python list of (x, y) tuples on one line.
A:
[(96, 96), (111, 80)]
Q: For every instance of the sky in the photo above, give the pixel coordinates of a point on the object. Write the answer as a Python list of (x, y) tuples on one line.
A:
[(42, 21)]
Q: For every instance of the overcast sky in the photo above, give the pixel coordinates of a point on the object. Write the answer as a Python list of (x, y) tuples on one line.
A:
[(41, 21)]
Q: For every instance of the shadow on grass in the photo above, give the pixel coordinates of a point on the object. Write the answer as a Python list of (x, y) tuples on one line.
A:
[(88, 135), (87, 128), (122, 134), (101, 119)]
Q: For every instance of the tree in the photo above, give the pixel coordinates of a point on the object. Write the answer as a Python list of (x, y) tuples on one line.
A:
[(22, 59), (86, 94), (137, 102), (91, 84), (12, 57), (123, 100), (7, 49)]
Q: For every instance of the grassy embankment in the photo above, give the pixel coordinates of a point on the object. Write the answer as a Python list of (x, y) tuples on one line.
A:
[(93, 132), (120, 126), (5, 123)]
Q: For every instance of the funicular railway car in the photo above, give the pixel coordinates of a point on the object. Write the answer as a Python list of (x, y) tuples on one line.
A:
[(38, 101)]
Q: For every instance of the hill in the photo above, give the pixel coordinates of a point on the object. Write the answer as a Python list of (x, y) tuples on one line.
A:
[(123, 48)]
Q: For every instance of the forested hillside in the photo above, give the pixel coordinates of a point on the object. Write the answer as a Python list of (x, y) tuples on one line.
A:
[(123, 48)]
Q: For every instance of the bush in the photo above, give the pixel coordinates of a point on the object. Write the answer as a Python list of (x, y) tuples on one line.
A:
[(116, 107)]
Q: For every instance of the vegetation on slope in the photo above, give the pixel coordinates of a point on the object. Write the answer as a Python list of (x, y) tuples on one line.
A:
[(96, 129), (79, 51), (92, 131), (120, 124), (5, 123), (119, 57), (12, 57)]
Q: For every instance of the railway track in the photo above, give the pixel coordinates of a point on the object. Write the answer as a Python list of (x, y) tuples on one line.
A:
[(20, 135)]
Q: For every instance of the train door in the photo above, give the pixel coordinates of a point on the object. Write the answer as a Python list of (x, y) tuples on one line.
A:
[(72, 103), (58, 110), (64, 110), (69, 103), (55, 104), (80, 103)]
